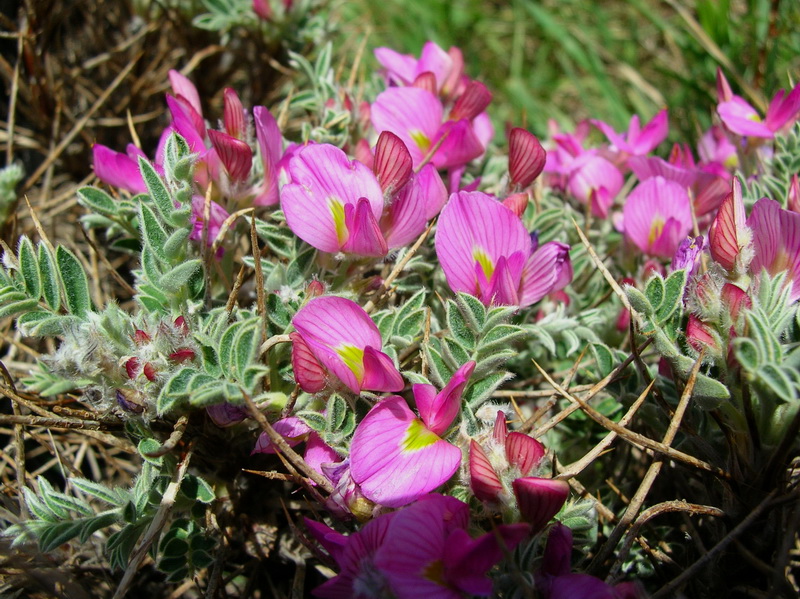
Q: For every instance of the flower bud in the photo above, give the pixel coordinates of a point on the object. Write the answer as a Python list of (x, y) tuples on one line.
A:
[(393, 164), (236, 155), (517, 202), (233, 114), (472, 102), (526, 157), (149, 371), (539, 499), (483, 480)]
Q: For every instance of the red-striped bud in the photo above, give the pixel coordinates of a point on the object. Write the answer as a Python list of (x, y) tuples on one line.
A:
[(526, 157), (236, 155), (472, 102)]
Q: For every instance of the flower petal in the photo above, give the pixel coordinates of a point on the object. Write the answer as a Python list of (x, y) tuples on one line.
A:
[(395, 459)]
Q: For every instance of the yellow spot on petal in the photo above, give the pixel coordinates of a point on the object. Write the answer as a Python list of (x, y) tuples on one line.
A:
[(422, 141), (353, 357), (655, 230), (418, 436), (434, 572), (486, 263), (337, 211)]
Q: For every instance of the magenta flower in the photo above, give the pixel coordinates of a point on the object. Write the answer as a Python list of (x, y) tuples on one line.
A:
[(446, 68), (638, 140), (554, 579), (423, 550), (338, 205), (396, 456), (417, 117), (776, 242), (741, 118), (340, 338), (657, 216), (485, 251)]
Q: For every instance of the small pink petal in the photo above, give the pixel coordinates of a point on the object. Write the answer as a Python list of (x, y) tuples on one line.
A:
[(500, 431), (459, 144), (233, 114), (793, 200), (547, 270), (724, 92), (742, 119), (380, 373), (236, 155), (293, 430), (438, 411), (426, 81), (318, 452), (517, 202), (182, 86), (365, 237), (117, 170)]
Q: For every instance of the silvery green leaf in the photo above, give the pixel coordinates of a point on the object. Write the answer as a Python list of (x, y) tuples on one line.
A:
[(29, 268), (459, 328), (777, 381), (479, 391), (178, 277), (98, 201), (336, 411), (503, 336), (156, 189), (673, 295), (153, 233), (111, 496), (74, 281), (176, 245), (439, 372), (313, 419), (197, 489), (454, 354), (91, 525), (473, 311), (18, 307), (56, 535), (654, 291), (638, 301)]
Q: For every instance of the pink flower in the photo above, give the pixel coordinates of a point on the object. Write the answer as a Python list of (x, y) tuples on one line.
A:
[(338, 205), (485, 250), (417, 117), (776, 242), (638, 140), (741, 118), (446, 68), (342, 341), (396, 456), (657, 216)]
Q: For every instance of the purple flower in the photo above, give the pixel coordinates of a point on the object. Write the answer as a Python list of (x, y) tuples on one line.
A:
[(485, 250), (446, 68), (423, 550)]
